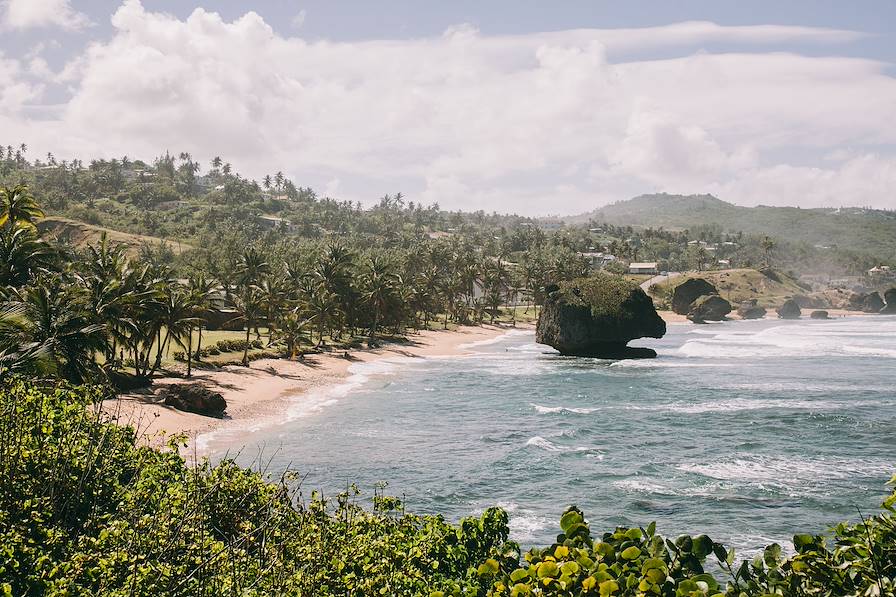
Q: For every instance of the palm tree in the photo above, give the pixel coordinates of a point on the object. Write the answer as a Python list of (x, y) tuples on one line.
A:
[(273, 293), (180, 319), (379, 284), (292, 330), (22, 256), (266, 182), (202, 291), (278, 180), (767, 246), (252, 266), (250, 306), (18, 207), (18, 354), (323, 308), (59, 328)]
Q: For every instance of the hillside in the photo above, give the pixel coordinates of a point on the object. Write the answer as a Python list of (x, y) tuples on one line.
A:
[(738, 285), (855, 229), (80, 234)]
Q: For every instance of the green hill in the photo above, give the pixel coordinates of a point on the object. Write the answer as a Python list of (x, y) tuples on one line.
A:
[(856, 229)]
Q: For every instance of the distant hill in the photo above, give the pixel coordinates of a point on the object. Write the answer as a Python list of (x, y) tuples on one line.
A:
[(858, 229)]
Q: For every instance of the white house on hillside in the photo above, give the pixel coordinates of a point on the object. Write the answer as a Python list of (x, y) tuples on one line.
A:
[(643, 268)]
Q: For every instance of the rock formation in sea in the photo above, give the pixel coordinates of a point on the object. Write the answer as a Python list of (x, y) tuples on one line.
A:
[(194, 398), (689, 291), (751, 310), (890, 298), (820, 314), (789, 310), (597, 317), (710, 307)]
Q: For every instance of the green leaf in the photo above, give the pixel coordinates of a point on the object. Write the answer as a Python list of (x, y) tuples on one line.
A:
[(631, 553), (568, 519)]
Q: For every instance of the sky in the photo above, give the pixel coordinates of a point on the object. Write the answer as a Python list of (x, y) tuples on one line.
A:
[(522, 106)]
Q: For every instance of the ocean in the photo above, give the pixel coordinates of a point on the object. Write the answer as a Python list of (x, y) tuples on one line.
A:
[(748, 431)]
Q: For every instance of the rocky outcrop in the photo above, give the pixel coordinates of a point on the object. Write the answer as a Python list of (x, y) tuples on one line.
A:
[(709, 308), (597, 317), (194, 398), (873, 303), (789, 310), (689, 291), (811, 301), (750, 310), (820, 314), (890, 298)]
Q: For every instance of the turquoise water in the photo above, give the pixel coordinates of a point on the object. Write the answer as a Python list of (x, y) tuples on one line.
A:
[(748, 431)]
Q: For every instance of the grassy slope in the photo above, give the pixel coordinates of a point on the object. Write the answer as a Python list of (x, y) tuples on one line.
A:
[(738, 285), (865, 230), (80, 234)]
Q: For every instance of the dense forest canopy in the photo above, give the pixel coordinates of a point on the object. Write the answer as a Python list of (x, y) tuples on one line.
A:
[(174, 197)]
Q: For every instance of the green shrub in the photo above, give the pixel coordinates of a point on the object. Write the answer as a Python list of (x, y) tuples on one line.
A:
[(86, 510)]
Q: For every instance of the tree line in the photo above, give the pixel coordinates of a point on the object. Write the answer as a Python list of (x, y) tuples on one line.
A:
[(79, 313)]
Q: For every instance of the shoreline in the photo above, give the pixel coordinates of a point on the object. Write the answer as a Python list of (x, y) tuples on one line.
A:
[(273, 391), (833, 314), (268, 390)]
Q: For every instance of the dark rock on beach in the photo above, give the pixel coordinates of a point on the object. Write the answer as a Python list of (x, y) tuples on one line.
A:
[(709, 308), (789, 310), (194, 398), (689, 291), (750, 310), (819, 315), (597, 317), (873, 303)]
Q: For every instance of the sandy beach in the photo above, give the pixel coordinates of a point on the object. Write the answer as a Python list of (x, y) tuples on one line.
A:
[(266, 388)]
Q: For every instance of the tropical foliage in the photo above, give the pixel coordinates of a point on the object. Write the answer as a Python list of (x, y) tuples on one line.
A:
[(85, 510)]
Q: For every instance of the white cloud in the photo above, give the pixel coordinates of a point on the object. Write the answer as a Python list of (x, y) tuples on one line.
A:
[(26, 14), (546, 122)]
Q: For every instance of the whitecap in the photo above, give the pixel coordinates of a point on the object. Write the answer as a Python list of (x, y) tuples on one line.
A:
[(562, 409)]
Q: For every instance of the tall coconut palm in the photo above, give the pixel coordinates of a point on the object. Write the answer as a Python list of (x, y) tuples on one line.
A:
[(767, 246), (378, 283), (180, 319), (273, 293), (250, 306), (202, 293), (252, 266), (323, 308), (18, 207)]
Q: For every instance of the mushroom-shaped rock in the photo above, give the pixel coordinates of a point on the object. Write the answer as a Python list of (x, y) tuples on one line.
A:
[(194, 398), (709, 308), (689, 291), (597, 317), (820, 314), (750, 310), (890, 298), (789, 310)]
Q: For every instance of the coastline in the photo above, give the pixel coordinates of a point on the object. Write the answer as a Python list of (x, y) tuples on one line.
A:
[(264, 392)]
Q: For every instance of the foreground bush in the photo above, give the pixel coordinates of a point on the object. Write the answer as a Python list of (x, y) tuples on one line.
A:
[(84, 510)]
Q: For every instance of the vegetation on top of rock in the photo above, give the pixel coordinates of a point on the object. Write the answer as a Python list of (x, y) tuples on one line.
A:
[(606, 295)]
